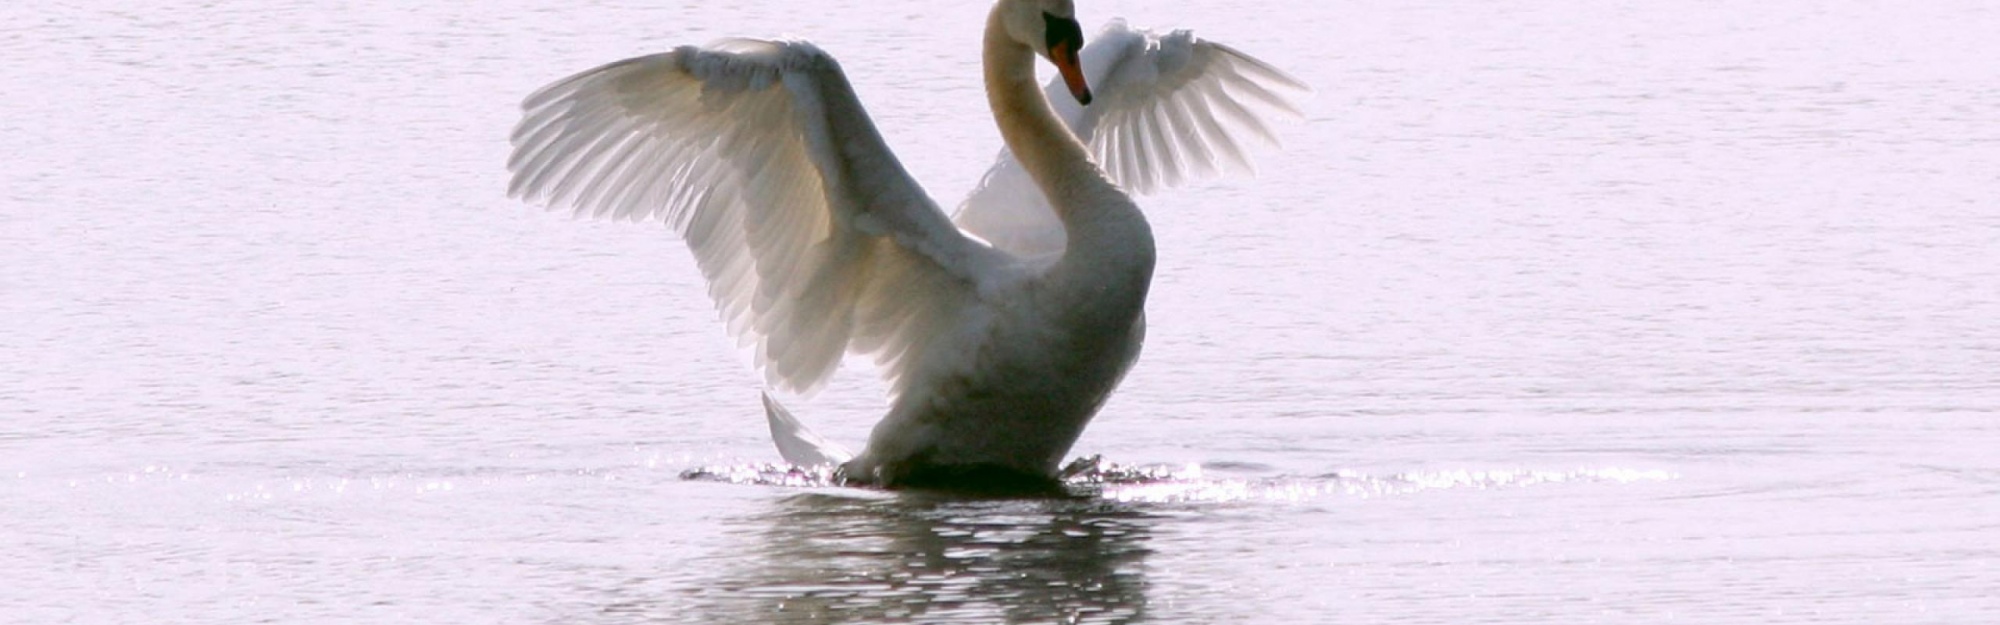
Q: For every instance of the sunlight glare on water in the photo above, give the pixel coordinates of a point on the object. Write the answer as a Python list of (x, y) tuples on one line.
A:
[(1187, 484), (1564, 312)]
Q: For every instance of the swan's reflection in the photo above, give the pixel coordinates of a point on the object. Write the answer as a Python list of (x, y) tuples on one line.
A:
[(824, 558)]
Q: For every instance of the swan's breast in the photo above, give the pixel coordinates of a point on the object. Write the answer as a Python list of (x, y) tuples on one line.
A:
[(1020, 397)]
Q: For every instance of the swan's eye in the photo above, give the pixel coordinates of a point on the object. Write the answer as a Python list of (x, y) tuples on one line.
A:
[(1063, 30)]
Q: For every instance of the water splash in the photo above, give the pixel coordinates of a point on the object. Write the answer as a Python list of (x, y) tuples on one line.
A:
[(1094, 477), (1346, 484), (767, 474)]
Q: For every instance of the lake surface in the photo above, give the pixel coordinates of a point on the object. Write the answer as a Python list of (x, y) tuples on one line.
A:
[(1561, 312)]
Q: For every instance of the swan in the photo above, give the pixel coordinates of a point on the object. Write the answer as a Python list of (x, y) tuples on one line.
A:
[(1000, 332)]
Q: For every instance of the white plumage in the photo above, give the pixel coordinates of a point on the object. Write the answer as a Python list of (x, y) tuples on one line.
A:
[(816, 243), (1170, 109)]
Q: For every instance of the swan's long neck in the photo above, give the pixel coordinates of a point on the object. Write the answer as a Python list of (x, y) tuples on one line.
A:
[(1045, 147), (1102, 223)]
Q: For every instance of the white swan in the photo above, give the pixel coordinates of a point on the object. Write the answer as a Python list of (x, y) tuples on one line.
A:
[(999, 342)]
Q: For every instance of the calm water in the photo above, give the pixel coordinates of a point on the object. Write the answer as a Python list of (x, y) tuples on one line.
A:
[(1551, 312)]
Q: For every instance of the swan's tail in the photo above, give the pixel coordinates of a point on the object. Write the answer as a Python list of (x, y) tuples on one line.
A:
[(798, 445)]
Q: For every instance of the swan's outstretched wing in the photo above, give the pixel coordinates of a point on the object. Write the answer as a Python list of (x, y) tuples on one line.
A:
[(814, 239), (1170, 108)]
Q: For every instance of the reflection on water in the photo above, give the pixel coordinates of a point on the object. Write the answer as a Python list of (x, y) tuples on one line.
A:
[(867, 557), (276, 348)]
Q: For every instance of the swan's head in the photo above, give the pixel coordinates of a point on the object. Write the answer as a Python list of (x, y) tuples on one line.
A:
[(1049, 27)]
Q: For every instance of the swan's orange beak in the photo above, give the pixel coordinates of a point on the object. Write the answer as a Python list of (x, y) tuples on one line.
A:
[(1063, 54)]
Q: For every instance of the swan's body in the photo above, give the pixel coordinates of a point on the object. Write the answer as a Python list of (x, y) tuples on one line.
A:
[(816, 243)]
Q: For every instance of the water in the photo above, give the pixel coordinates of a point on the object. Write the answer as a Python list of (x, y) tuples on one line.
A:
[(1577, 312)]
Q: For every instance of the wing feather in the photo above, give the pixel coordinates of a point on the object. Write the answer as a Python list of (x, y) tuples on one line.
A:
[(814, 240), (1170, 109)]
